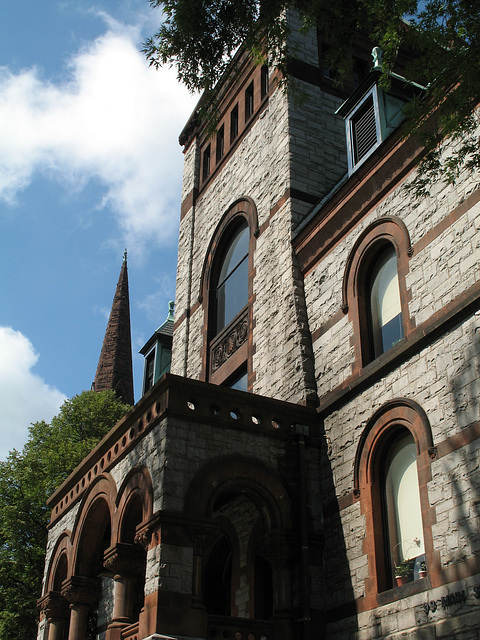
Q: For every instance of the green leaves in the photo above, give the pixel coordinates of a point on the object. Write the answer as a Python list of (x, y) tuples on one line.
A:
[(201, 38), (26, 480)]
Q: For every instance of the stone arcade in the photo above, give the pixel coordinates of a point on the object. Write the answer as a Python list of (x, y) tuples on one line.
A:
[(318, 434)]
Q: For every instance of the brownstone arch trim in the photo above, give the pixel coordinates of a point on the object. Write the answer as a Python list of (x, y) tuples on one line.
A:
[(61, 556), (137, 485), (226, 355), (387, 230), (231, 473), (96, 512), (396, 416), (243, 207)]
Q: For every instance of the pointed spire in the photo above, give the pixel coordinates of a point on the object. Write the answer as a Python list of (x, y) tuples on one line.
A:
[(114, 370)]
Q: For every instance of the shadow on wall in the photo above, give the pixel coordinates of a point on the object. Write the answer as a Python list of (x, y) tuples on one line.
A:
[(339, 596), (462, 538)]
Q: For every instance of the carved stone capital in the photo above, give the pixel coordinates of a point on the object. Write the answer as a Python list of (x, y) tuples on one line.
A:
[(201, 538), (124, 559), (81, 590), (53, 606), (278, 550)]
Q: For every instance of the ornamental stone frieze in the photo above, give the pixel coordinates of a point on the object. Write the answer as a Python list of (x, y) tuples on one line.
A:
[(230, 342), (124, 559), (81, 590)]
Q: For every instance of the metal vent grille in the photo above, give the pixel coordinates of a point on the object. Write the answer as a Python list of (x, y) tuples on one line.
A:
[(364, 130)]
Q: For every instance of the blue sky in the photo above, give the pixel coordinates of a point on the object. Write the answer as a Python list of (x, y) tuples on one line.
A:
[(89, 164)]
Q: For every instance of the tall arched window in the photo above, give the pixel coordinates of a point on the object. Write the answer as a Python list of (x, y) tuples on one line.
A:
[(375, 294), (385, 306), (218, 579), (391, 476), (231, 291), (226, 291), (403, 514)]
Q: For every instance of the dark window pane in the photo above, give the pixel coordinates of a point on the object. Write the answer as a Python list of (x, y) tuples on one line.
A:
[(232, 294), (392, 332), (240, 383), (237, 250)]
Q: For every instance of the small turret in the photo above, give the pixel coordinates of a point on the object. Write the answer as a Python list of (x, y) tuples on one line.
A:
[(158, 351)]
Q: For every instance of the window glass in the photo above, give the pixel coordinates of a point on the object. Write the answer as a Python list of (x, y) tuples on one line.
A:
[(240, 382), (234, 123), (386, 315), (249, 101), (220, 143), (206, 163), (232, 287), (402, 501), (149, 371)]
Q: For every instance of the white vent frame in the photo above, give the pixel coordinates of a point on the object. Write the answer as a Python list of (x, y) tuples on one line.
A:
[(349, 123)]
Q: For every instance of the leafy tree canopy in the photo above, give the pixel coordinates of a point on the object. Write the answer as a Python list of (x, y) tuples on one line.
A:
[(26, 480), (200, 38)]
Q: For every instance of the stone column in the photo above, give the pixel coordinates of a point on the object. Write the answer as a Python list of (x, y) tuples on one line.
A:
[(81, 592), (55, 609), (126, 562)]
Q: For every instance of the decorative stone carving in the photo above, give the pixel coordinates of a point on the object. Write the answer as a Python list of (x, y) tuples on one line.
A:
[(124, 559), (143, 538), (53, 605), (230, 342), (278, 551), (81, 590), (201, 538)]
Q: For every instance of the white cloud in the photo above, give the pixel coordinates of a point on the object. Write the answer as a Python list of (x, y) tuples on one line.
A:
[(24, 396), (113, 119)]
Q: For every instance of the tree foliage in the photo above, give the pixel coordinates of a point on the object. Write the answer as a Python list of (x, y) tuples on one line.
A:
[(26, 480), (200, 38)]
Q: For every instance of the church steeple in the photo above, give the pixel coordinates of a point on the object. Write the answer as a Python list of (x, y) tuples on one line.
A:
[(115, 370)]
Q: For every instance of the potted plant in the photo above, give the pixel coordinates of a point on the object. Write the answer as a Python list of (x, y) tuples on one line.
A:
[(403, 572), (422, 573)]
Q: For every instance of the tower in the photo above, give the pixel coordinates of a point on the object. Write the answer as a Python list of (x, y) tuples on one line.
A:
[(115, 369), (320, 428)]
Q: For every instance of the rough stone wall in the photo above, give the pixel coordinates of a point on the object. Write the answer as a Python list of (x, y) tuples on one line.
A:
[(66, 523), (453, 613), (291, 145), (317, 142), (438, 273), (453, 490), (443, 378), (105, 605)]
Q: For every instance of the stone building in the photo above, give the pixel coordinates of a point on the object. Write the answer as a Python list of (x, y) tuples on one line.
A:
[(318, 433)]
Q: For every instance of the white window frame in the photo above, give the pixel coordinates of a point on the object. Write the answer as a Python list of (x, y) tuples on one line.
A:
[(352, 165)]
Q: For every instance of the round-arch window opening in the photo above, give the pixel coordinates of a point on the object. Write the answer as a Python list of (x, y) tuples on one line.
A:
[(385, 306), (231, 293), (403, 515)]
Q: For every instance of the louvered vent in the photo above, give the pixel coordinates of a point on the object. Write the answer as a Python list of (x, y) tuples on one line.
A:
[(364, 130)]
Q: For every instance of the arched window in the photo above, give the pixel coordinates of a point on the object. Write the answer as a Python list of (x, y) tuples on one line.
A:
[(391, 475), (218, 579), (226, 291), (403, 514), (385, 306), (231, 290), (375, 295)]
